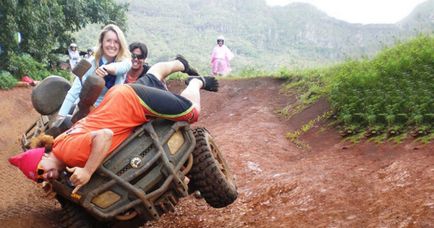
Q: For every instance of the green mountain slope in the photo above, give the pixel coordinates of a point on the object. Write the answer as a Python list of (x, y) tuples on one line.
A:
[(263, 37)]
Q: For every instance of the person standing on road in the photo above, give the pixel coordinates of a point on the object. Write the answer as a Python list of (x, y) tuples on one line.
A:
[(220, 58), (111, 61), (74, 55)]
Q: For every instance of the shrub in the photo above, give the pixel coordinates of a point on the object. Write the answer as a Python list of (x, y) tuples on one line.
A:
[(24, 64), (391, 93), (7, 81)]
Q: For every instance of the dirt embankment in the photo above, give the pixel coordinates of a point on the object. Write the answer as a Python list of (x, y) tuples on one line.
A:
[(327, 183)]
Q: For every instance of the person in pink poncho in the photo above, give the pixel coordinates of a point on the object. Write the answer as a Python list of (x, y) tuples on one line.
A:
[(220, 58)]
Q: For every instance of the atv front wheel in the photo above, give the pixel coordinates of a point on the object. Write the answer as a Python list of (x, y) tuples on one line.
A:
[(210, 173), (73, 216)]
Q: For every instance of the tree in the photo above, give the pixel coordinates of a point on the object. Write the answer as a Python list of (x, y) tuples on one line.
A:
[(45, 26)]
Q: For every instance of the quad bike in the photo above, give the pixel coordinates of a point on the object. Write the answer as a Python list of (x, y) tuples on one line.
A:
[(159, 163)]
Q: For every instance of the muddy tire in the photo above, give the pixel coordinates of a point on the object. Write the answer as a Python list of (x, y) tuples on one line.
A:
[(73, 216), (210, 174)]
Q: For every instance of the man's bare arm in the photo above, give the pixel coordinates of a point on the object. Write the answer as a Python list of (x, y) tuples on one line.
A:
[(101, 143)]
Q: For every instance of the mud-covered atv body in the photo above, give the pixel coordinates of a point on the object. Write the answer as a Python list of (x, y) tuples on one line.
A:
[(159, 163)]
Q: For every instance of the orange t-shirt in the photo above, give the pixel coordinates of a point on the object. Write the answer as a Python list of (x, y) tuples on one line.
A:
[(73, 146)]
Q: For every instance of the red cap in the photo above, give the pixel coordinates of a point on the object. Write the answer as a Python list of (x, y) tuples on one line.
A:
[(28, 161)]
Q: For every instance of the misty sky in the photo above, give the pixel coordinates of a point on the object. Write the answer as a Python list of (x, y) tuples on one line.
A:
[(361, 11)]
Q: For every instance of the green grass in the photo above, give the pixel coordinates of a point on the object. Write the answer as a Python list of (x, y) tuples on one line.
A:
[(391, 93), (308, 85)]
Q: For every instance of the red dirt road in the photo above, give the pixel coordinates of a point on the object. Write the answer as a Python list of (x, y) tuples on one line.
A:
[(327, 183)]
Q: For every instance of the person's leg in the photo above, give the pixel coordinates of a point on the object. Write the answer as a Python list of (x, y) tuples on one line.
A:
[(209, 83), (220, 67), (157, 73), (192, 92), (163, 69), (187, 68), (215, 64), (165, 104)]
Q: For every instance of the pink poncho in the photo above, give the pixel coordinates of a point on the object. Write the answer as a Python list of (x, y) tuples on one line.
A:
[(220, 58)]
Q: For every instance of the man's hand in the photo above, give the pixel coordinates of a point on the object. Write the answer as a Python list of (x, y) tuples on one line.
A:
[(79, 177)]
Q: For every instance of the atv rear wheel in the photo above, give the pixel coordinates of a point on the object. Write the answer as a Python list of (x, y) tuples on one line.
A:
[(210, 173)]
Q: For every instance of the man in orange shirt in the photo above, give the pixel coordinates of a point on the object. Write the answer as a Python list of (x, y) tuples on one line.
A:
[(89, 141)]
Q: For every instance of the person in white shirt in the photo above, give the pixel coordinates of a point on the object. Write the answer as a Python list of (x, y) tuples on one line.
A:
[(74, 55)]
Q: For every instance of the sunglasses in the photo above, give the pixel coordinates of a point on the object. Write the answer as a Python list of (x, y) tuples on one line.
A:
[(40, 171), (133, 56)]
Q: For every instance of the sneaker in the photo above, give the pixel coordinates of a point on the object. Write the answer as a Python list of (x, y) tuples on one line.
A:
[(209, 83), (187, 68)]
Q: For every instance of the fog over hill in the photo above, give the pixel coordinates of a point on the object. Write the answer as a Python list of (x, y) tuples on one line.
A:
[(262, 37)]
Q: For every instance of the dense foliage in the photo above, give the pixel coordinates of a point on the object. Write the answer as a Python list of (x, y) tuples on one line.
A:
[(391, 93), (6, 80), (35, 30), (25, 65), (384, 96)]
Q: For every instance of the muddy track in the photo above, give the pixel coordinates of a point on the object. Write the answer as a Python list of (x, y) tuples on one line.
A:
[(324, 183)]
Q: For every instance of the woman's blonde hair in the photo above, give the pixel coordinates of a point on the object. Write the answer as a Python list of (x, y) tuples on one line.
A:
[(124, 52)]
